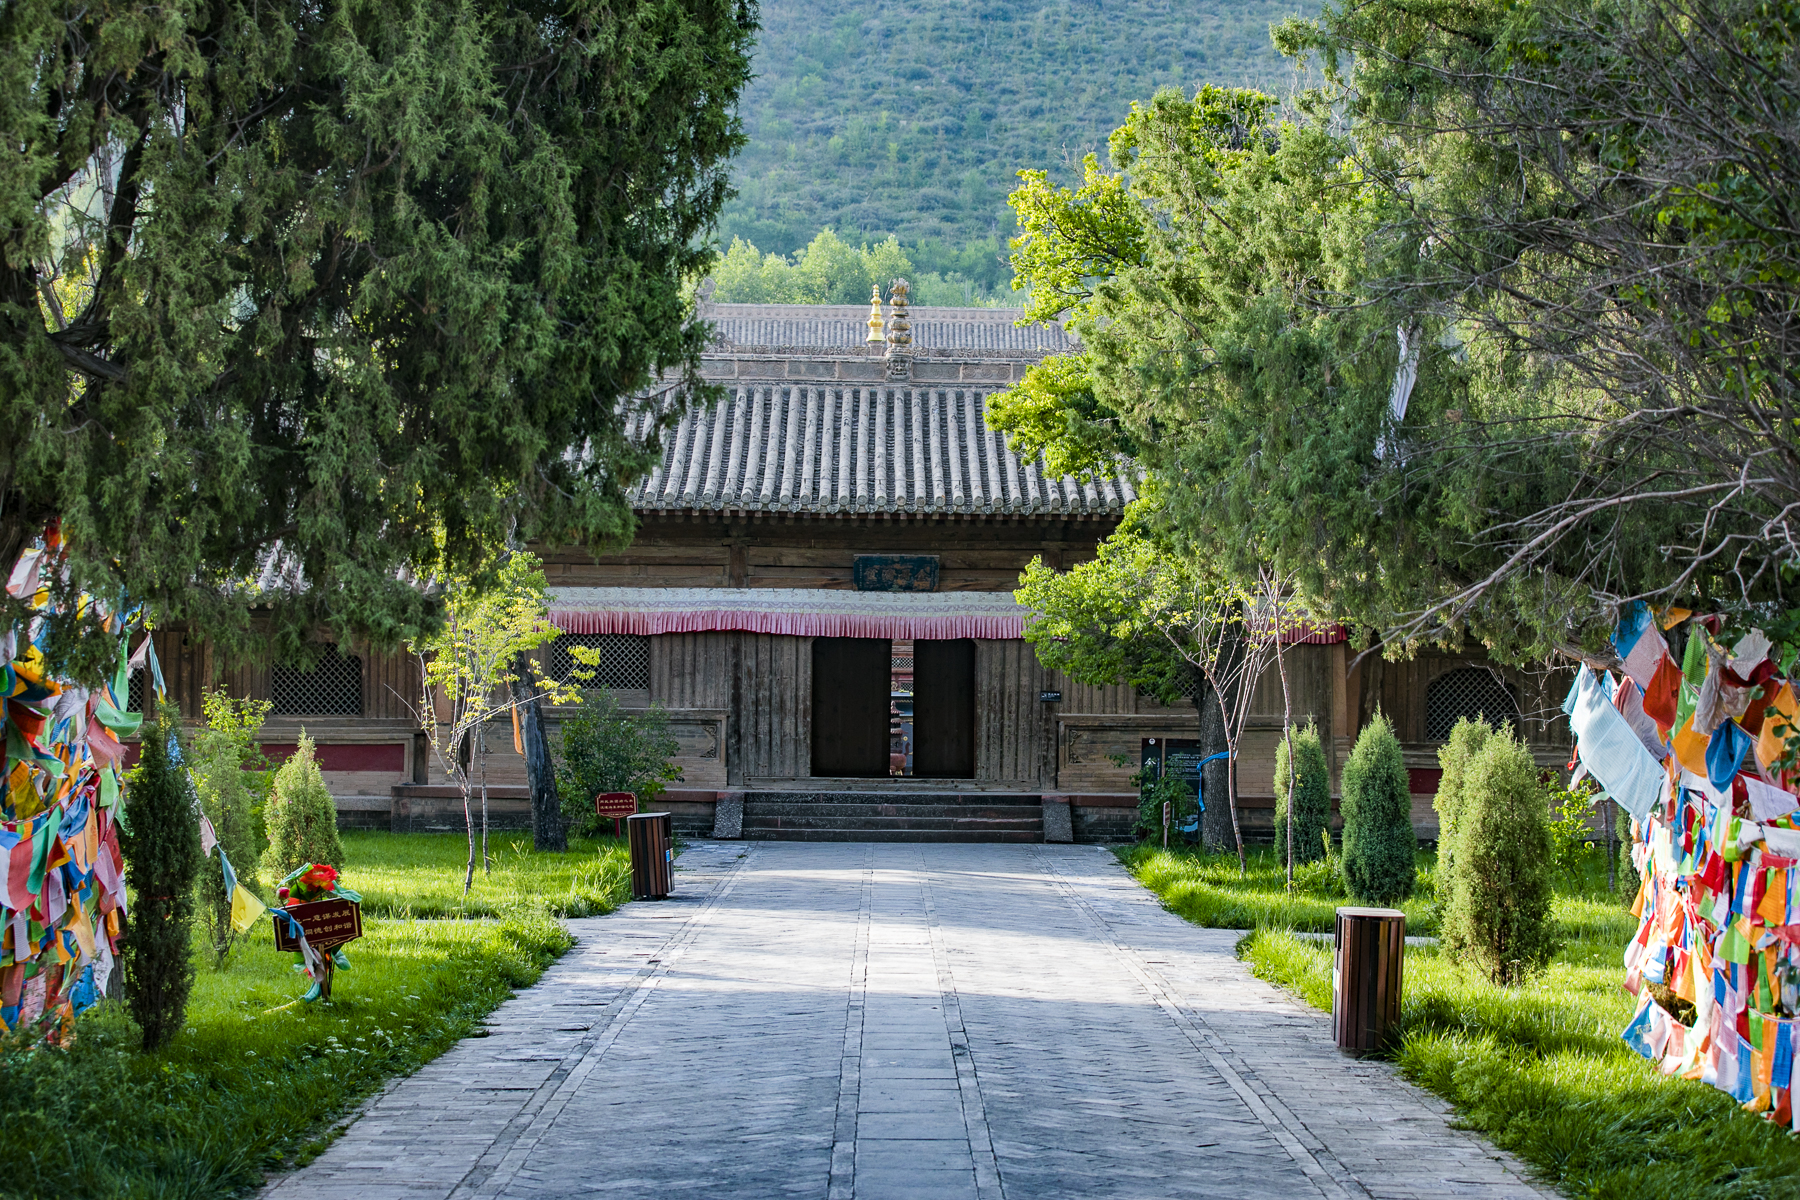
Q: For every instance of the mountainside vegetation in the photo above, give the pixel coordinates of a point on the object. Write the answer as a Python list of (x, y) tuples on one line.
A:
[(912, 119)]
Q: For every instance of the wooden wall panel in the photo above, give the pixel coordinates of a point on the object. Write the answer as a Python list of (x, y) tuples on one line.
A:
[(1402, 687), (246, 680), (691, 670), (1309, 686), (1011, 725), (187, 670), (745, 552), (774, 709), (699, 559), (1118, 698), (391, 684)]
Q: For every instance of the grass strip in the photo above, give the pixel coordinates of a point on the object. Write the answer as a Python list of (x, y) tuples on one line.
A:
[(1207, 890), (255, 1081), (1538, 1069), (421, 875)]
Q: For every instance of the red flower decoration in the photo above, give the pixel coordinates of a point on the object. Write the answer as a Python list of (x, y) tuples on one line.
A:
[(316, 880)]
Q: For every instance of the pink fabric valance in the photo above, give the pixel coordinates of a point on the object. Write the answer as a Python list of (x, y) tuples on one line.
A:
[(795, 612)]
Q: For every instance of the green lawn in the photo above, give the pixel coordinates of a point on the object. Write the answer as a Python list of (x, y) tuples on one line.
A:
[(1538, 1069), (421, 875), (257, 1081)]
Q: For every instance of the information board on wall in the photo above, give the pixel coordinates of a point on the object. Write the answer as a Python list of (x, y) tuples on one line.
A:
[(1163, 755)]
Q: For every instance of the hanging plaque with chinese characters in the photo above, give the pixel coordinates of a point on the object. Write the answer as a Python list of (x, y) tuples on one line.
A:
[(895, 572)]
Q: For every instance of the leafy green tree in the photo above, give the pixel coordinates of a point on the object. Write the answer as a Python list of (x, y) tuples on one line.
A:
[(1297, 402), (161, 843), (301, 817), (223, 747), (1467, 737), (476, 670), (1169, 625), (828, 271), (1499, 883), (300, 303), (606, 749), (1380, 848), (1303, 794), (1594, 189)]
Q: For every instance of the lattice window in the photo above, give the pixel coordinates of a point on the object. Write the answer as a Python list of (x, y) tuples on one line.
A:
[(333, 688), (624, 660), (137, 690), (1474, 692)]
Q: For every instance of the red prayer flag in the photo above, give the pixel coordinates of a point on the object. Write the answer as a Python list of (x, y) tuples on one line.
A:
[(1661, 697)]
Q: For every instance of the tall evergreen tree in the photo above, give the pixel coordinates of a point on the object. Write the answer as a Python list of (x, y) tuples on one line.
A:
[(1455, 756), (1498, 912), (160, 839), (336, 297), (1308, 789), (1380, 848), (301, 818)]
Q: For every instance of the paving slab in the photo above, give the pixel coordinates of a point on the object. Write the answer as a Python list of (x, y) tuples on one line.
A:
[(880, 1021)]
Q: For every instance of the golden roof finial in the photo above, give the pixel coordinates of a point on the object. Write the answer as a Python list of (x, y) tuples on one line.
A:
[(877, 331), (899, 328)]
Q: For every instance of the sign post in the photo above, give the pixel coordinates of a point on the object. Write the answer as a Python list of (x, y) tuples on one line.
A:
[(327, 924)]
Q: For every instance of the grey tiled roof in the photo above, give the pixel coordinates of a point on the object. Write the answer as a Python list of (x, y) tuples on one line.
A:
[(841, 326), (840, 450)]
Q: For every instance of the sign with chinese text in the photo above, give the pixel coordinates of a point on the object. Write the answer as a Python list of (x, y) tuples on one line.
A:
[(327, 923), (895, 572)]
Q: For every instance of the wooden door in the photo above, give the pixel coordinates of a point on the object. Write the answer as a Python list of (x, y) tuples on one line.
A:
[(944, 709), (850, 706)]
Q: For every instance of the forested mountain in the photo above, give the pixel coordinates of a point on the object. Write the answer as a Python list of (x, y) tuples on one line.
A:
[(911, 118)]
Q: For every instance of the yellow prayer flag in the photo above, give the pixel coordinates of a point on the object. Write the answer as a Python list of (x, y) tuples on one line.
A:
[(1690, 748), (245, 908), (518, 736), (1781, 713), (1773, 908), (84, 931), (1673, 616)]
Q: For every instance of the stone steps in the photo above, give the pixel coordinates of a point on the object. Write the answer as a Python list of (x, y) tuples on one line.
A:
[(912, 817)]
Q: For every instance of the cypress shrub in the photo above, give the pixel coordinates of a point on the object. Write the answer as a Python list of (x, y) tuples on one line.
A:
[(301, 819), (1498, 916), (223, 747), (1379, 844), (1312, 795), (160, 839), (1467, 737)]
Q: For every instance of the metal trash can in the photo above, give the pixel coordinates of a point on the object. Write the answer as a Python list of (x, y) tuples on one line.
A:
[(1365, 976), (652, 855)]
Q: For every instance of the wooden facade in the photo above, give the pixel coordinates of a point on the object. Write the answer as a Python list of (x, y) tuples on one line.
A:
[(827, 451)]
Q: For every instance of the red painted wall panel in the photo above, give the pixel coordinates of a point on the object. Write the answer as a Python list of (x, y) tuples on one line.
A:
[(1423, 781), (356, 756)]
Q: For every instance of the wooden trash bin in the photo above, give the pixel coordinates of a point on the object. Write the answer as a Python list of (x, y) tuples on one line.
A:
[(652, 855), (1365, 976)]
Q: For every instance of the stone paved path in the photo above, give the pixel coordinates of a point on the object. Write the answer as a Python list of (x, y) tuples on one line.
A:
[(883, 1022)]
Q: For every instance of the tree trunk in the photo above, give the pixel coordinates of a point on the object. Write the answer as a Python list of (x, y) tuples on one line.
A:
[(487, 863), (1287, 738), (468, 787), (1215, 822), (1610, 815), (1230, 657), (1237, 832), (549, 832)]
